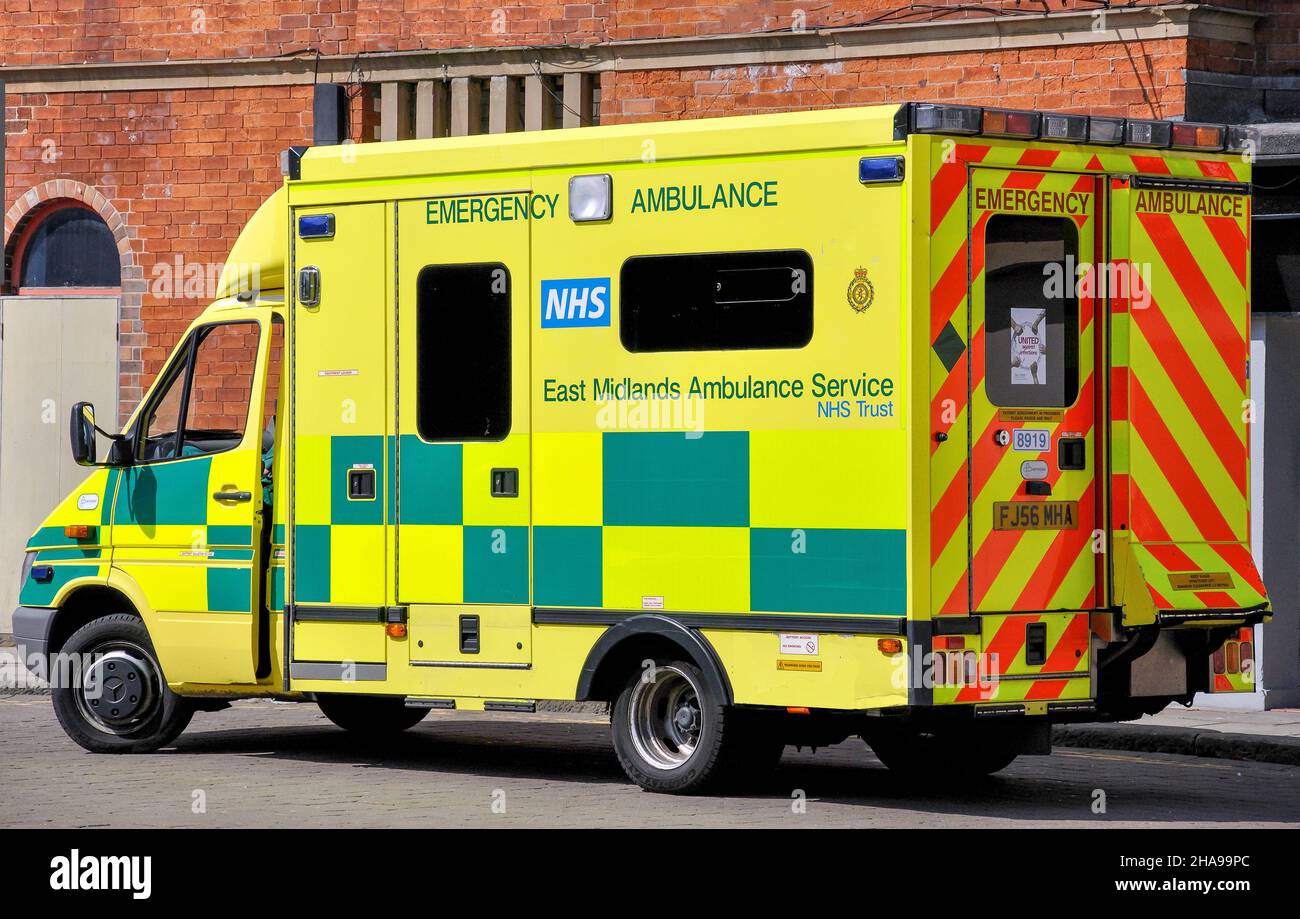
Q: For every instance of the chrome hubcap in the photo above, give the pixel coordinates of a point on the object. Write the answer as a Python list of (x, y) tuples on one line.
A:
[(665, 718), (119, 688)]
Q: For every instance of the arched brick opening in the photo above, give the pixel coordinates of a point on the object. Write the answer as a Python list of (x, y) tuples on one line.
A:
[(29, 206)]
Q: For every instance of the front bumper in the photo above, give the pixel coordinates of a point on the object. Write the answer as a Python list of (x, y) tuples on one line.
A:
[(32, 625)]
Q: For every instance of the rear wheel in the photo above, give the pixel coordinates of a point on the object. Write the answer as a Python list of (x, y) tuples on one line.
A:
[(110, 695), (372, 715), (674, 735), (942, 754)]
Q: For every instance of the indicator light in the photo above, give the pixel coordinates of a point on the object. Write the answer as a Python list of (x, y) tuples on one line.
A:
[(1187, 135), (1007, 123), (890, 645), (78, 531), (396, 629)]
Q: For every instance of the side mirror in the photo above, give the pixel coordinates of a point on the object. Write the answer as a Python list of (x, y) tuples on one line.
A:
[(82, 433)]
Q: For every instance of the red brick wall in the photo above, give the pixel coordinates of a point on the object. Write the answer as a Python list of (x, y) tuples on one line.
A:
[(184, 168), (1098, 79)]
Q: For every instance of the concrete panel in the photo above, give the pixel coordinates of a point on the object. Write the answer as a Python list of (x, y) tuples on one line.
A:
[(56, 351)]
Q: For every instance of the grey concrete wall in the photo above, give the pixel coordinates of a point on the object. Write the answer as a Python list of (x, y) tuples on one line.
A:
[(55, 351)]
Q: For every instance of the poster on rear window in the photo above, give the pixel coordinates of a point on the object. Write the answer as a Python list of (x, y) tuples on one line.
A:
[(1029, 347)]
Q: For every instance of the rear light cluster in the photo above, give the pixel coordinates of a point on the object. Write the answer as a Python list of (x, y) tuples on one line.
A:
[(936, 118), (955, 666), (1237, 655)]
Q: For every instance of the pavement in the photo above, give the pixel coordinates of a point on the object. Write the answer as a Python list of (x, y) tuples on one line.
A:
[(1261, 736), (275, 764)]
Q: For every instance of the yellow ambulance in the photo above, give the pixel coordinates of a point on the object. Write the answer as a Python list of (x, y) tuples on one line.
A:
[(924, 423)]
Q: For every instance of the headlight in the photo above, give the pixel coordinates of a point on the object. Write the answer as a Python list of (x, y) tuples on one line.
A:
[(29, 559)]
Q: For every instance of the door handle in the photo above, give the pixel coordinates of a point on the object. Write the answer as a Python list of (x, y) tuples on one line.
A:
[(236, 496)]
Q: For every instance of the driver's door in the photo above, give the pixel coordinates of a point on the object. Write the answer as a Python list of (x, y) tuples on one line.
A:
[(188, 513)]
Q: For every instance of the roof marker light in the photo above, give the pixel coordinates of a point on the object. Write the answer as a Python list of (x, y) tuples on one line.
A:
[(1242, 137), (1069, 128), (1007, 123), (872, 169), (929, 118), (1189, 135), (1147, 133), (1105, 130)]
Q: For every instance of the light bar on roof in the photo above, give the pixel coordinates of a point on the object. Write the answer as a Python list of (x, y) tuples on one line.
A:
[(1190, 135), (1147, 133)]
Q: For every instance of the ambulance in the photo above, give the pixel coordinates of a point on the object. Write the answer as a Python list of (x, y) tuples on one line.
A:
[(925, 424)]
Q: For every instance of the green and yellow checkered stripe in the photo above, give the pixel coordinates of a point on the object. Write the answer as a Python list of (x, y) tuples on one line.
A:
[(721, 521)]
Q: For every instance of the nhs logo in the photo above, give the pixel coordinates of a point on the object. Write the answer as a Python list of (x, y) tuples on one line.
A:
[(575, 303)]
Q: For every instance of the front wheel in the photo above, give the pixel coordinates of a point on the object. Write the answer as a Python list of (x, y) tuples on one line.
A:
[(109, 693), (374, 716), (673, 735)]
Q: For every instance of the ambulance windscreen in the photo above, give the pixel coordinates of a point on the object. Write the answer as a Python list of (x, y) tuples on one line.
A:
[(1031, 312)]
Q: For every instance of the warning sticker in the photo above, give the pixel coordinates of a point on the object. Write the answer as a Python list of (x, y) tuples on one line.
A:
[(1028, 347), (805, 666), (1200, 580)]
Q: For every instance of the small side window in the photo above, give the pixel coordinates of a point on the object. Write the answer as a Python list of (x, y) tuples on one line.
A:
[(463, 352), (716, 301), (1031, 313)]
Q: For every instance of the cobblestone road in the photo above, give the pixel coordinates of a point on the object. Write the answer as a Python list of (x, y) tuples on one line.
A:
[(268, 764)]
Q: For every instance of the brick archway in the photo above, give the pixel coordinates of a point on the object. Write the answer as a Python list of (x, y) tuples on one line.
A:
[(29, 206)]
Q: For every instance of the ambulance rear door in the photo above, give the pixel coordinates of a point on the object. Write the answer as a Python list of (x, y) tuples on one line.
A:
[(1033, 448), (1179, 403)]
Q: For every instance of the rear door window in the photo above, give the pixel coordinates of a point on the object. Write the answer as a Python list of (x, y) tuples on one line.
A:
[(1031, 311)]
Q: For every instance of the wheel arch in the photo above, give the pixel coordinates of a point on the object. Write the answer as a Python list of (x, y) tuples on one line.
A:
[(625, 644), (84, 604)]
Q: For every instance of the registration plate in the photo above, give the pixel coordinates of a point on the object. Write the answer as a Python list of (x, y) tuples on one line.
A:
[(1036, 515)]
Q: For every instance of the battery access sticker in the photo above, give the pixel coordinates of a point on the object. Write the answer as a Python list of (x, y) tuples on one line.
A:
[(799, 643)]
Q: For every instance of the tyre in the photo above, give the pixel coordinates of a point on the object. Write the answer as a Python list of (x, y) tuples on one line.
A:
[(374, 716), (674, 736), (941, 754), (113, 697)]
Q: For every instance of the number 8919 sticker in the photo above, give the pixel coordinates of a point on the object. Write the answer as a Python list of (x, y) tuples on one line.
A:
[(1031, 440)]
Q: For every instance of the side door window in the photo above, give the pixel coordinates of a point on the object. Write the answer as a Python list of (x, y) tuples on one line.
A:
[(210, 386)]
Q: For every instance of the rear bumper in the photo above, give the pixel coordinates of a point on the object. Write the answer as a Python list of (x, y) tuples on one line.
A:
[(1252, 615), (32, 626)]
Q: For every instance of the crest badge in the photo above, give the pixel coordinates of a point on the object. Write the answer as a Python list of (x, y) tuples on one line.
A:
[(861, 291)]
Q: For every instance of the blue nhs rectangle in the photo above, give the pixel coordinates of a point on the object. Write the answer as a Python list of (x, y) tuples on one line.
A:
[(575, 303)]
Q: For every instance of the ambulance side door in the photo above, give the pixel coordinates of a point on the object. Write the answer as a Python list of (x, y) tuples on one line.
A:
[(188, 513), (463, 451), (338, 547)]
